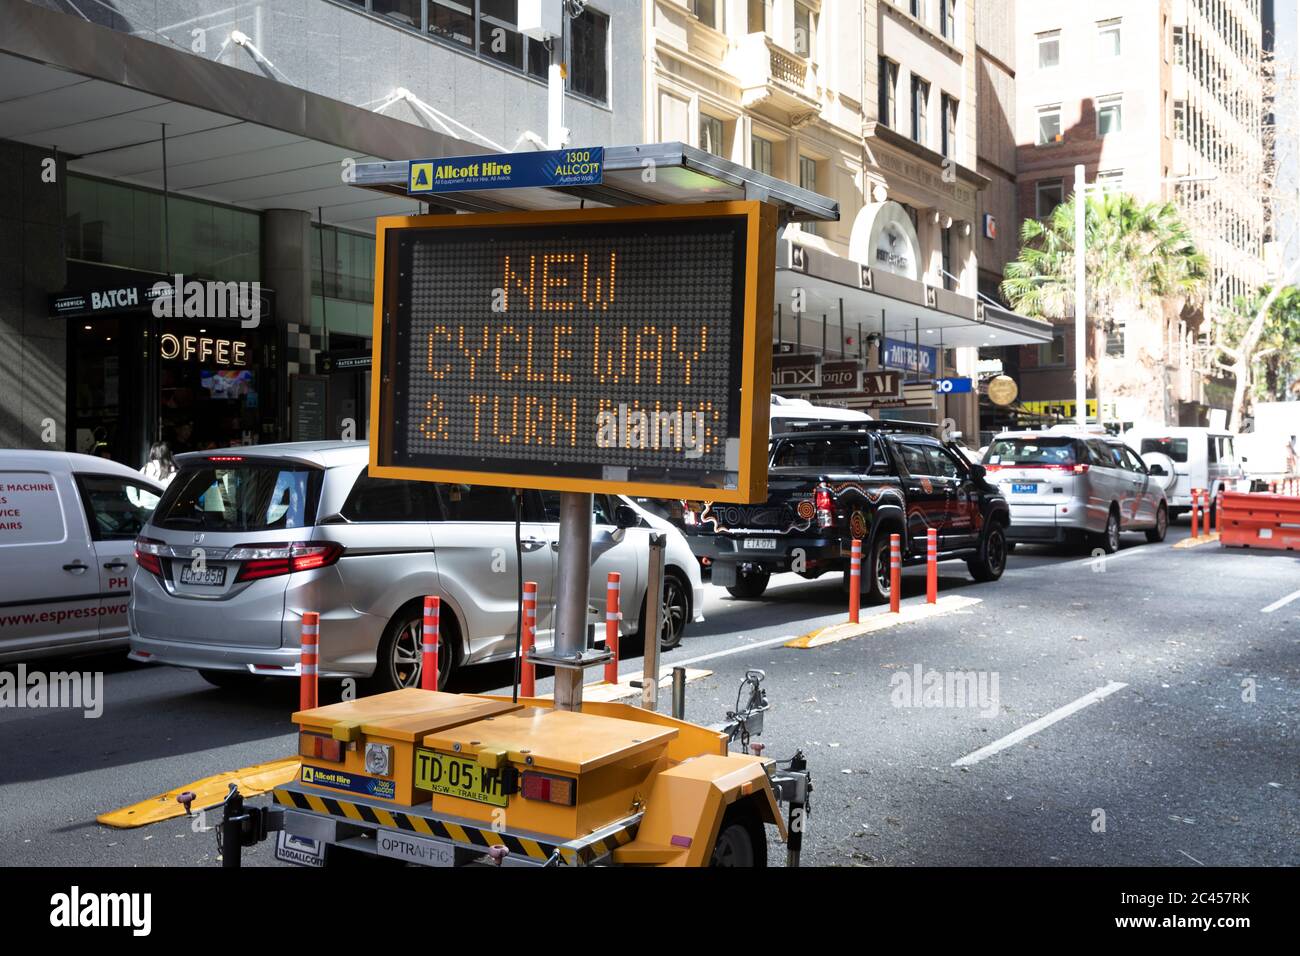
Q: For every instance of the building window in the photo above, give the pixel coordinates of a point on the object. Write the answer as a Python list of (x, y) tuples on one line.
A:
[(1110, 115), (887, 94), (1108, 38), (1180, 46), (947, 21), (405, 12), (804, 27), (920, 99), (1111, 180), (589, 55), (452, 21), (756, 14), (1049, 124), (949, 143), (1053, 353), (914, 8), (808, 181), (711, 135), (1048, 194), (707, 12), (1049, 49), (760, 155)]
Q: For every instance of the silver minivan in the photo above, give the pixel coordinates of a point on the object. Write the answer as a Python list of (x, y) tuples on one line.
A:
[(1080, 487), (246, 540), (68, 524)]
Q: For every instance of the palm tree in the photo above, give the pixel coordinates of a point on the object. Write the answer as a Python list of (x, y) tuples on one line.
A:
[(1138, 256)]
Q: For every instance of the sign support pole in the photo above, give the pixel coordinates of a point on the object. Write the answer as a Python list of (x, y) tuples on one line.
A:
[(571, 589), (654, 602)]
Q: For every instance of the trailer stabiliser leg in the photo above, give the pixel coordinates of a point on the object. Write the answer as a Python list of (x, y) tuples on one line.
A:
[(240, 826), (798, 809)]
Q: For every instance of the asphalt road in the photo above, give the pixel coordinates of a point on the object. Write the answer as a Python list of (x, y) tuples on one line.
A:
[(1193, 760)]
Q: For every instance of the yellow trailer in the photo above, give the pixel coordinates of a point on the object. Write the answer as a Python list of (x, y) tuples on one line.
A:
[(441, 779)]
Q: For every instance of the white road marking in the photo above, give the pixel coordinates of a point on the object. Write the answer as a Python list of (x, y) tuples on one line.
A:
[(1105, 559), (1280, 602), (1013, 738)]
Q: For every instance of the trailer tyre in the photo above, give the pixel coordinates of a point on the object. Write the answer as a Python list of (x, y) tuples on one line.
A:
[(741, 840), (750, 584)]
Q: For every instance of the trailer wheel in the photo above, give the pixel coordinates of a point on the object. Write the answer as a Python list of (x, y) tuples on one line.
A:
[(741, 840), (750, 584)]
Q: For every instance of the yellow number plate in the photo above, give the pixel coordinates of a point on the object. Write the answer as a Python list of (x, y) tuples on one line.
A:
[(458, 777)]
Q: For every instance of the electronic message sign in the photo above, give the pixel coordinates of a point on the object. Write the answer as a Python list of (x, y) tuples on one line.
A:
[(624, 350)]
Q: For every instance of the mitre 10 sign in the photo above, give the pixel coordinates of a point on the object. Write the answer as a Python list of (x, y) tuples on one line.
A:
[(622, 350)]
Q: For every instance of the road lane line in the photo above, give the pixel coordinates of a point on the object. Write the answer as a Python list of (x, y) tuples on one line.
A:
[(1013, 738), (1105, 559), (1280, 602)]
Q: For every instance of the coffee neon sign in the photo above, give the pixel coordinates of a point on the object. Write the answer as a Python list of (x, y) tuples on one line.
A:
[(203, 349)]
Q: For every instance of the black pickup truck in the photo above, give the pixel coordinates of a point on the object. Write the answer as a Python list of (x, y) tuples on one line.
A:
[(828, 484)]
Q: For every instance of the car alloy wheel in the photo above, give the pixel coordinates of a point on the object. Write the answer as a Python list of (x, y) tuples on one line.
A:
[(1112, 533), (673, 613)]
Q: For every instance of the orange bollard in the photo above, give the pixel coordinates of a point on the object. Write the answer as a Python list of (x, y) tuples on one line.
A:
[(895, 571), (1196, 512), (931, 566), (527, 670), (613, 588), (429, 646), (855, 580), (310, 661)]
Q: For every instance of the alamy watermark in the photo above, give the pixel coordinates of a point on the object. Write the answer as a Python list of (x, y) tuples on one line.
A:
[(192, 299), (70, 690), (958, 689)]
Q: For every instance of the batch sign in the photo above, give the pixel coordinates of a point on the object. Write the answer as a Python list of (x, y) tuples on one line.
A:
[(549, 168), (622, 350)]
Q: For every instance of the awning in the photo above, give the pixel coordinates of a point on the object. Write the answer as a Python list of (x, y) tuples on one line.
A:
[(882, 302), (99, 97)]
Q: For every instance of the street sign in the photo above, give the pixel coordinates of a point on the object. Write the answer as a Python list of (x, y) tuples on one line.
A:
[(555, 167), (908, 356), (616, 350), (795, 373), (843, 376), (952, 386)]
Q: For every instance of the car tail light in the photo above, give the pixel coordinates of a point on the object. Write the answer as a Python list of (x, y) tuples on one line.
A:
[(320, 747), (225, 458), (1079, 469), (689, 516), (148, 554), (992, 468), (541, 786), (825, 507), (270, 560)]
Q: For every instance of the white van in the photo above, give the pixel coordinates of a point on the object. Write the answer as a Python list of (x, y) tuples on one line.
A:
[(1200, 458), (68, 525)]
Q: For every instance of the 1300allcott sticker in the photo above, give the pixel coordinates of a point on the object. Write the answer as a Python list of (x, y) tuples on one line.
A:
[(370, 786)]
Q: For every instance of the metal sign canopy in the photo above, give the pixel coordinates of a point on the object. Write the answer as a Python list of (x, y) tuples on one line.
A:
[(648, 174)]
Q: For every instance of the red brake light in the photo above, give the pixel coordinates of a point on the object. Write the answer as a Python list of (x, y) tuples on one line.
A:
[(225, 458), (320, 747), (541, 786), (825, 506), (147, 551), (270, 560), (1080, 469)]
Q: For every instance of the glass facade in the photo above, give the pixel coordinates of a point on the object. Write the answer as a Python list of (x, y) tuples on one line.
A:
[(125, 226)]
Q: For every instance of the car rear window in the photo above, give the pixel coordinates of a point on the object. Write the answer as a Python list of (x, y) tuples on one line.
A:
[(246, 495), (1030, 451), (831, 454), (1175, 448)]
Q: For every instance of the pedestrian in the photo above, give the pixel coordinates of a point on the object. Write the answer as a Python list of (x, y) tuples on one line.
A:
[(161, 467), (1292, 465)]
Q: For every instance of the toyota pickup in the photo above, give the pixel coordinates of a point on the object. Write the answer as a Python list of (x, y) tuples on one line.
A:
[(829, 484)]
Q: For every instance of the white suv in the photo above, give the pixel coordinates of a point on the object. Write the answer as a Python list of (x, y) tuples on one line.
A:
[(246, 540)]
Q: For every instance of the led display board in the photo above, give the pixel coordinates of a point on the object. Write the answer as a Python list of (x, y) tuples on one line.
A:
[(624, 350)]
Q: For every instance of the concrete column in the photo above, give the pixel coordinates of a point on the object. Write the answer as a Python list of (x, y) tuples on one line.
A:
[(33, 265), (286, 263)]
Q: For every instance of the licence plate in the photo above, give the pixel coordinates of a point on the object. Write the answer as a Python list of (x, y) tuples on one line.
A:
[(760, 544), (299, 850), (212, 577), (458, 777), (1024, 488)]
